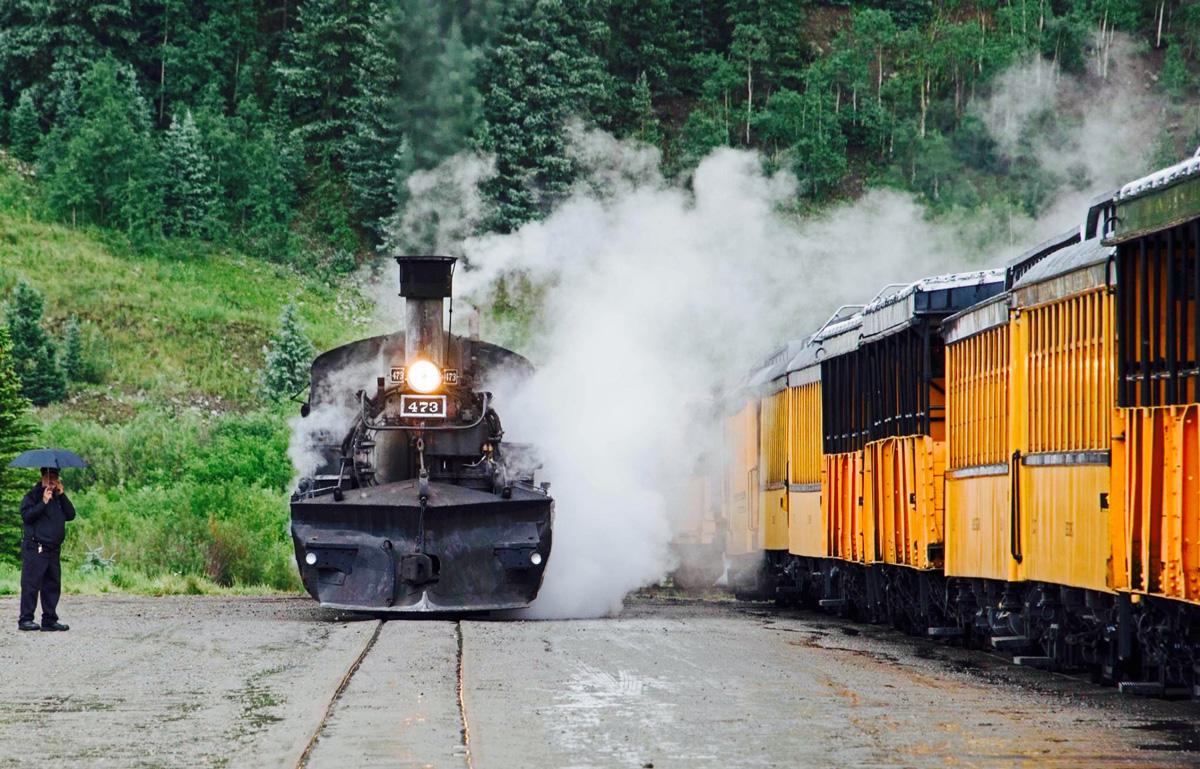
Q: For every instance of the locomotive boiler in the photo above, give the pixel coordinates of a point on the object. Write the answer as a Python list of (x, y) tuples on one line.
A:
[(416, 502)]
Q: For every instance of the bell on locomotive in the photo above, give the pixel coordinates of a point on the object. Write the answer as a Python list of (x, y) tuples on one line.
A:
[(416, 502)]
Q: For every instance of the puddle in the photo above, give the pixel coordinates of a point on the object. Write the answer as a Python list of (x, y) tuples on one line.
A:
[(1177, 736)]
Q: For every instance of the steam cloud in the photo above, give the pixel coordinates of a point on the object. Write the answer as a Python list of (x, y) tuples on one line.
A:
[(660, 297)]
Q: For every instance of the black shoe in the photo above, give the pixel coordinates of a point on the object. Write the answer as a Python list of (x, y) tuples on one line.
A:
[(28, 625), (55, 626)]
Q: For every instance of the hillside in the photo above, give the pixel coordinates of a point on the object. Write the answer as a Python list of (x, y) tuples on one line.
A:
[(182, 323), (190, 476)]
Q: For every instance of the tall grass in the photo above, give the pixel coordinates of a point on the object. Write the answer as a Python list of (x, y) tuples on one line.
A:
[(189, 478), (183, 494)]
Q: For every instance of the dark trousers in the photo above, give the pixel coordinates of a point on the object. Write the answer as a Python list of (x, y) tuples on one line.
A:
[(41, 574)]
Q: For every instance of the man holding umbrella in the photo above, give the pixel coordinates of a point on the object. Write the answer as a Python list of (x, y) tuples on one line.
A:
[(44, 513)]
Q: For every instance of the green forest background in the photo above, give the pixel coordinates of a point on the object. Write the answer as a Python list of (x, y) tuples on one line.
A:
[(185, 188)]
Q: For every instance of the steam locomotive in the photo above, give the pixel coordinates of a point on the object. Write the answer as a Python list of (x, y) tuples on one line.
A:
[(417, 503), (1008, 458)]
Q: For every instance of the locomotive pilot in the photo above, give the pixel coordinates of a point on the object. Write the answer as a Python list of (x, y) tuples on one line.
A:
[(44, 513)]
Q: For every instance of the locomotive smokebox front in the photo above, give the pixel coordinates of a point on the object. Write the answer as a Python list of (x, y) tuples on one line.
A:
[(429, 508)]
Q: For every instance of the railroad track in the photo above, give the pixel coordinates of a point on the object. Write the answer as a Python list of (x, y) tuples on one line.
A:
[(332, 704)]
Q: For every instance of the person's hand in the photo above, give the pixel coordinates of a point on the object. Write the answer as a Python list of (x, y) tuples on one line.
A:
[(47, 493)]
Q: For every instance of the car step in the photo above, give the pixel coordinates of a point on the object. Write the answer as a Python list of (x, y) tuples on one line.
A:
[(1010, 642)]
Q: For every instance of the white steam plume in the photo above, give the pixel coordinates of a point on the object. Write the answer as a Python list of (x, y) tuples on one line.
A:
[(658, 297), (1087, 133)]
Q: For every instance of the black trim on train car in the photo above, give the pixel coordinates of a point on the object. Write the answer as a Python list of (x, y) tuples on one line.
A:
[(1064, 458), (979, 471)]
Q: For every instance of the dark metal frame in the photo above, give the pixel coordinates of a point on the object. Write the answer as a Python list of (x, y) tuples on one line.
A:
[(1153, 368)]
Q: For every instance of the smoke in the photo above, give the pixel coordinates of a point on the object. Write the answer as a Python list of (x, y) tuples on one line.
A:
[(1085, 134), (334, 406), (655, 298), (659, 298)]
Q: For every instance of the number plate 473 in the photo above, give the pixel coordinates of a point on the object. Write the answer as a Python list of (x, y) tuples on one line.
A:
[(423, 406)]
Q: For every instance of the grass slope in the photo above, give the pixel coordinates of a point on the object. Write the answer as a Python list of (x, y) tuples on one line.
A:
[(177, 319), (189, 480)]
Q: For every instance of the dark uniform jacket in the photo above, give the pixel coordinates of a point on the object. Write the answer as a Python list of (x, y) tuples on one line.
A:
[(45, 522)]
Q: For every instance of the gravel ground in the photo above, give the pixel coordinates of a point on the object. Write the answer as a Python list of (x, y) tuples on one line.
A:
[(214, 681)]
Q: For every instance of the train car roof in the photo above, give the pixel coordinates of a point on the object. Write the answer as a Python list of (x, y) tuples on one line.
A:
[(897, 307), (976, 319), (1157, 201), (772, 375), (1072, 270), (1016, 267), (841, 333), (1164, 177)]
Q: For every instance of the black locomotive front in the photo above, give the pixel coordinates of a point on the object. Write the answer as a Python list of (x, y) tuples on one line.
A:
[(417, 504)]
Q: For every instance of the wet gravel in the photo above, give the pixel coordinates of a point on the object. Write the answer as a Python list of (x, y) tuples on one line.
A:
[(248, 681)]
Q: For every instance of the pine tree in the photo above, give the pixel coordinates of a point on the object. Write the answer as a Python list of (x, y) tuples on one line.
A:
[(102, 166), (268, 204), (378, 125), (319, 75), (289, 357), (189, 195), (73, 352), (25, 132), (35, 357), (16, 433), (543, 69), (453, 108), (646, 40), (646, 126)]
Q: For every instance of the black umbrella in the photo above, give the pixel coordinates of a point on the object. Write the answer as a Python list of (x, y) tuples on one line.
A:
[(57, 458)]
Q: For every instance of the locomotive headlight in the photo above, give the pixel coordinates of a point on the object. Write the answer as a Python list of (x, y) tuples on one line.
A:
[(310, 558), (536, 559), (423, 376)]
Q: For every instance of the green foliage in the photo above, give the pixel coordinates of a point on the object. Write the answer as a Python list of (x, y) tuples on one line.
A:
[(73, 351), (544, 69), (289, 357), (189, 195), (24, 128), (180, 321), (101, 166), (34, 354), (318, 81), (647, 127), (1177, 81), (181, 493), (16, 433), (806, 132), (647, 48)]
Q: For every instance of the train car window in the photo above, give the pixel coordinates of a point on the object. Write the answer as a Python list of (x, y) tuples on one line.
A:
[(804, 463), (977, 393), (1070, 373), (889, 387), (773, 437), (1158, 326)]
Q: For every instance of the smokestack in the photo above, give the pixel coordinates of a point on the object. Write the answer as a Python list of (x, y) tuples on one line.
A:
[(425, 284)]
